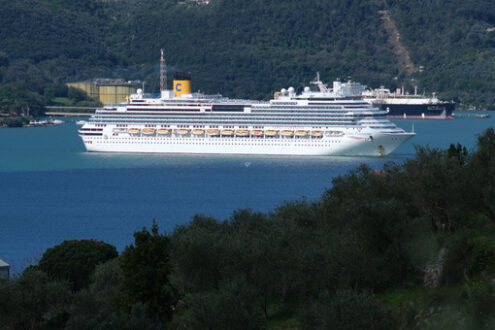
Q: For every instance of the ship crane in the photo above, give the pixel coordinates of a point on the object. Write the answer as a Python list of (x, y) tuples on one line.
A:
[(321, 86)]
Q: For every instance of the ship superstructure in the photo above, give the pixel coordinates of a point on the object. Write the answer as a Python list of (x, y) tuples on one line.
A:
[(322, 122)]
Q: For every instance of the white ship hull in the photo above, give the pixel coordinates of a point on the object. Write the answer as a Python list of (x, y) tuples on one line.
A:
[(378, 145)]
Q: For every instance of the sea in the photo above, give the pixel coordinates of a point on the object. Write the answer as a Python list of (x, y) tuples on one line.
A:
[(52, 190)]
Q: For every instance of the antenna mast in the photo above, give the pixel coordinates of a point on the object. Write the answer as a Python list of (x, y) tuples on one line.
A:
[(163, 72)]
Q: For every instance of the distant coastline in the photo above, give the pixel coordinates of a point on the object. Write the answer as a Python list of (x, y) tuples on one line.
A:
[(9, 120), (27, 121)]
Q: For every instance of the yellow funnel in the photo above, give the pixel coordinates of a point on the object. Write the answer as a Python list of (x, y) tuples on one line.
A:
[(182, 87)]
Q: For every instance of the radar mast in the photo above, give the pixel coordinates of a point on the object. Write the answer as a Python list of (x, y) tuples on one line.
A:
[(163, 72)]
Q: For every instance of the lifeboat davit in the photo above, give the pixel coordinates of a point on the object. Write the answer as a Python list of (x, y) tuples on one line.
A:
[(119, 130), (334, 133)]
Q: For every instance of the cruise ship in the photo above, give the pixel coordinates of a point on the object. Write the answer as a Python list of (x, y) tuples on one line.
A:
[(321, 122)]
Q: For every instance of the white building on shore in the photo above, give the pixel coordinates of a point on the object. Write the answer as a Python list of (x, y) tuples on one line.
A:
[(4, 269)]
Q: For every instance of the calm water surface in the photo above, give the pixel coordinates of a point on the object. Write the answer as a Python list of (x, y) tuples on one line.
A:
[(52, 190)]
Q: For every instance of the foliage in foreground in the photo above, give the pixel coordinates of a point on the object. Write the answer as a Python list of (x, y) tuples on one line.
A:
[(75, 260), (408, 247)]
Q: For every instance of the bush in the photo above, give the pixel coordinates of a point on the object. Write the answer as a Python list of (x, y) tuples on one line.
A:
[(482, 261), (146, 270), (33, 301), (75, 260), (347, 309), (233, 306), (76, 94), (481, 302)]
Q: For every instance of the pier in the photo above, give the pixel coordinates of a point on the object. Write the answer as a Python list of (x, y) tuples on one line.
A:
[(67, 111), (68, 114)]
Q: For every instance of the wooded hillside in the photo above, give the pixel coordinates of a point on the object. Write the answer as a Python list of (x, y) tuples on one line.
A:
[(248, 49)]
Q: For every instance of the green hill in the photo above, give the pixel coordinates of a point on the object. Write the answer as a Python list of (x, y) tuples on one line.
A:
[(455, 43), (250, 48)]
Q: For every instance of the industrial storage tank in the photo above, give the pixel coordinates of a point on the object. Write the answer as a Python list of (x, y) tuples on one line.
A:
[(108, 91), (114, 94)]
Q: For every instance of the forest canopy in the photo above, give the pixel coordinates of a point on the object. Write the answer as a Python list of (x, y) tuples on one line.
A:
[(246, 49)]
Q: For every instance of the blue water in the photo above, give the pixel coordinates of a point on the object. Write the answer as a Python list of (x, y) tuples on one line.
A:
[(52, 190)]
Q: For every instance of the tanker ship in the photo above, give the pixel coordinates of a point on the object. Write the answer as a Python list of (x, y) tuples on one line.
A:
[(400, 105)]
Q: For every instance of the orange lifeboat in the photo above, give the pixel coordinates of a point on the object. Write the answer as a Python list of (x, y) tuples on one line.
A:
[(257, 132), (163, 131), (182, 131), (148, 131), (242, 132), (227, 132), (212, 132), (271, 132)]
